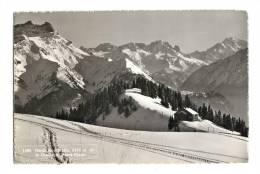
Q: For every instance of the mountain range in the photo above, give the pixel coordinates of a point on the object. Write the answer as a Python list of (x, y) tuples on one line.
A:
[(51, 73), (227, 77)]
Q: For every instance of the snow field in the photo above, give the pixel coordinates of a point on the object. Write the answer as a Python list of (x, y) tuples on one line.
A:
[(82, 143)]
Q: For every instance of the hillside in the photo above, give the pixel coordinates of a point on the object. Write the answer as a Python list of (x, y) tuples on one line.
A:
[(152, 116)]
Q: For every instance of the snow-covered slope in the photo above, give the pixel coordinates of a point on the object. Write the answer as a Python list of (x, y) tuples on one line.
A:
[(44, 64), (205, 126), (148, 102), (137, 70), (152, 116), (46, 140), (53, 48)]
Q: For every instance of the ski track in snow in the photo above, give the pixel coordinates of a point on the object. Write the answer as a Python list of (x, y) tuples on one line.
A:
[(164, 150), (51, 143)]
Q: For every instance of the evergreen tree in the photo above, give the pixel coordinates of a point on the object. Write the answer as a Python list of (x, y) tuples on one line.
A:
[(210, 114), (107, 109), (127, 112), (187, 101), (176, 124), (200, 111), (204, 111), (170, 123), (179, 100), (174, 103)]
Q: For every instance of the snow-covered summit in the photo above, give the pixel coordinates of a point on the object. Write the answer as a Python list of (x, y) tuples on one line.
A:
[(54, 49), (221, 50), (163, 61), (44, 63)]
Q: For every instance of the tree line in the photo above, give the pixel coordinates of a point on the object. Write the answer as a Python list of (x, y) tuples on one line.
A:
[(224, 120), (101, 104), (168, 96)]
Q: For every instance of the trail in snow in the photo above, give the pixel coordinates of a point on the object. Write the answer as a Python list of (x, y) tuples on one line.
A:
[(187, 155), (154, 148), (56, 152), (157, 149)]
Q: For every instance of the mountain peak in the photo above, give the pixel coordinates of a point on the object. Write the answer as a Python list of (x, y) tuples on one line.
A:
[(129, 45), (159, 45), (29, 29), (161, 42), (105, 47), (133, 46), (231, 39), (28, 23), (235, 42), (221, 50)]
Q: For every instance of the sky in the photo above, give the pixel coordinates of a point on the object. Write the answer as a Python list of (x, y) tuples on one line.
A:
[(191, 30)]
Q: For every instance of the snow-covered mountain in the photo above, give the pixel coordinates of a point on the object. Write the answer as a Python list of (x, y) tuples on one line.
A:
[(50, 72), (222, 50), (44, 75), (49, 68), (227, 77), (164, 63), (127, 87), (208, 84)]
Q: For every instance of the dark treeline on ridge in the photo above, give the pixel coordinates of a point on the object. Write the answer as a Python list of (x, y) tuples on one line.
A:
[(103, 101), (101, 104)]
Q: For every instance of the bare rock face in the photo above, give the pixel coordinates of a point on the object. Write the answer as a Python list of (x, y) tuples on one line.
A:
[(29, 29)]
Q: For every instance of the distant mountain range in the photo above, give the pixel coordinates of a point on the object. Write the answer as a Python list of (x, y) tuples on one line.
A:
[(51, 73), (227, 77), (222, 50), (163, 62), (166, 63)]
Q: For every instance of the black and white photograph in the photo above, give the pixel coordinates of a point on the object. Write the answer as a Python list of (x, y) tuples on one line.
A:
[(130, 87)]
